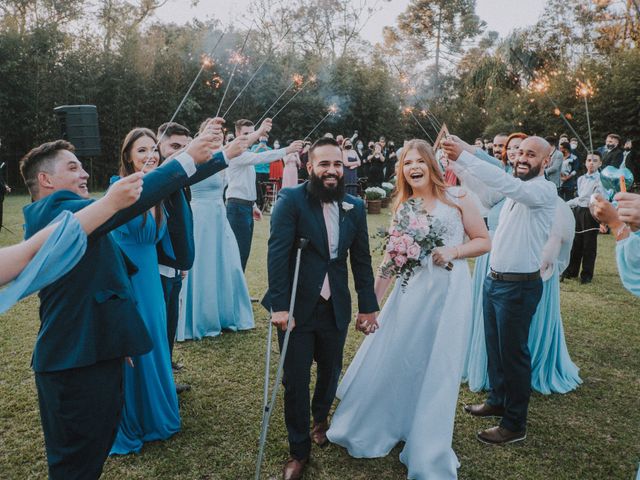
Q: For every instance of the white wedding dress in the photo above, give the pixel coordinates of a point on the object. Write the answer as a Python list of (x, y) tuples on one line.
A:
[(403, 383)]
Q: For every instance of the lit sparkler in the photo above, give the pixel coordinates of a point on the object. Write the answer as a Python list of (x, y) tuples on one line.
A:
[(332, 110), (585, 90), (235, 66), (310, 80)]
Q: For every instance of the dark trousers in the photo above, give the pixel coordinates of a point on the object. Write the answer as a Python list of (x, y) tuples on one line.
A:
[(322, 341), (508, 308), (260, 177), (171, 288), (80, 410), (1, 208), (585, 245), (240, 218)]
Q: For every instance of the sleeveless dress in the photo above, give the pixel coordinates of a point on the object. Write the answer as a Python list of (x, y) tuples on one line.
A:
[(290, 175), (59, 254), (214, 295), (404, 381), (150, 401)]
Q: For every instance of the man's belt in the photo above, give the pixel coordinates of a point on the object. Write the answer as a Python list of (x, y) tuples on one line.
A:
[(514, 277), (241, 201)]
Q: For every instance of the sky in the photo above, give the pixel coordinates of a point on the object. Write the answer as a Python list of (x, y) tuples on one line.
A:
[(500, 15)]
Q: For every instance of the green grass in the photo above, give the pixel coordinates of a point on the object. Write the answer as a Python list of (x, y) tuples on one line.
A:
[(592, 433)]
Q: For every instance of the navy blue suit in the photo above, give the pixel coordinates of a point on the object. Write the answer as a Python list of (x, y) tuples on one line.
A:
[(89, 322), (321, 325)]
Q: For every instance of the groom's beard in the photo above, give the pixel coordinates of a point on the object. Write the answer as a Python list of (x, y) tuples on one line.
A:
[(326, 194)]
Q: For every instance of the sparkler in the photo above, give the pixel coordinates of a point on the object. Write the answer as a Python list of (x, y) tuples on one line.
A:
[(585, 90), (557, 109), (409, 110), (297, 81), (311, 79), (206, 62), (333, 109), (254, 74), (238, 59)]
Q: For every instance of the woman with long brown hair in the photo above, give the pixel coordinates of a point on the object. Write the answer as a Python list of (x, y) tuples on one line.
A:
[(403, 383), (150, 400)]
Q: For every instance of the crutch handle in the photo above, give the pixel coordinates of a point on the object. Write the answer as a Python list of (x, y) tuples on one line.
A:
[(302, 243)]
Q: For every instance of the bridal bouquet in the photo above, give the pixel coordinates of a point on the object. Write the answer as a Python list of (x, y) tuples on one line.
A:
[(411, 238)]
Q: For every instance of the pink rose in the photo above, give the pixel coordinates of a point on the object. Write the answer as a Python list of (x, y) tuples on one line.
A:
[(406, 239), (401, 247), (400, 260), (413, 251), (414, 224)]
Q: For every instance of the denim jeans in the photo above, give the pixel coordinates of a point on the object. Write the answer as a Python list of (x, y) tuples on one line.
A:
[(508, 309)]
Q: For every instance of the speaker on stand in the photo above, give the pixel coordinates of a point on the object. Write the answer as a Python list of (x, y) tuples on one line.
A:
[(79, 126)]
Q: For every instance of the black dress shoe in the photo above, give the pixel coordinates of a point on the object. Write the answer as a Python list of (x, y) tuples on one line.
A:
[(585, 280), (177, 366), (500, 436), (484, 410), (294, 469), (182, 387)]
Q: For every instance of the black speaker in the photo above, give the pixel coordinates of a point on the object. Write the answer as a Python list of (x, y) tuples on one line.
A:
[(79, 125)]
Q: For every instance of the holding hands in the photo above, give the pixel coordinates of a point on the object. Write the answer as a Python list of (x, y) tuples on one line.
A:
[(367, 322)]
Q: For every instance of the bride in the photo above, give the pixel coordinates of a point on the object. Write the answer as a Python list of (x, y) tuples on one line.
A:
[(403, 383)]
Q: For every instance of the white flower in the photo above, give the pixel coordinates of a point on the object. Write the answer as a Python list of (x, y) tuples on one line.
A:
[(346, 206)]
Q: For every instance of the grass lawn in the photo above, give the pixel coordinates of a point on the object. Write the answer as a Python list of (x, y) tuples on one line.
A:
[(592, 433)]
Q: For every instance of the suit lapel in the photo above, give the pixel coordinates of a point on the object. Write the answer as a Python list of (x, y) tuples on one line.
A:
[(341, 227), (316, 209)]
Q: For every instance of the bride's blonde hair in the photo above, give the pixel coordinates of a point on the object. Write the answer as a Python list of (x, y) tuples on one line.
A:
[(436, 178)]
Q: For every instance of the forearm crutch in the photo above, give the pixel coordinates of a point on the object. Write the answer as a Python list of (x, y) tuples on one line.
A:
[(267, 406)]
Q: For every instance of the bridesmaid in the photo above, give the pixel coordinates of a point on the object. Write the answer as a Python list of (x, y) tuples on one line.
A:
[(215, 294), (292, 164), (150, 400)]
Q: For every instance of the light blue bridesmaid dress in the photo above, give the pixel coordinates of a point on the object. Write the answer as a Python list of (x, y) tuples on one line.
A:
[(628, 259), (552, 370), (215, 294), (59, 254), (150, 401)]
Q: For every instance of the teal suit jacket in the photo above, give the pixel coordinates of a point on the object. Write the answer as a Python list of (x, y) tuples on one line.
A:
[(90, 315)]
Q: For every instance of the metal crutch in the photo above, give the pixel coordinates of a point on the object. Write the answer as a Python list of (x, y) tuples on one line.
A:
[(266, 405)]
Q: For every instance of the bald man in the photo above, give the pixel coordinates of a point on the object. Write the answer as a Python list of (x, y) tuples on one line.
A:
[(513, 286)]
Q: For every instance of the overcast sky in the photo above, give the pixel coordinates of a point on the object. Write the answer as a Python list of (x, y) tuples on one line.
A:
[(500, 15)]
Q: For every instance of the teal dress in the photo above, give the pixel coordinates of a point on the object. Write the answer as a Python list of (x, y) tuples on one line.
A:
[(552, 370), (59, 254), (214, 296), (150, 401)]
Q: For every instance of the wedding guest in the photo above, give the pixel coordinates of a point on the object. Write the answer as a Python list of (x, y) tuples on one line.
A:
[(553, 371), (554, 166), (613, 153), (392, 157), (174, 137), (150, 398), (568, 173), (479, 143), (376, 166), (292, 165), (585, 244), (624, 223), (631, 160), (241, 181), (498, 145), (387, 394), (276, 168), (303, 174), (56, 249), (351, 164), (82, 341), (323, 305), (514, 287), (215, 296)]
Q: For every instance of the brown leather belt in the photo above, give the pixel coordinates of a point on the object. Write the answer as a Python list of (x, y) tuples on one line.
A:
[(514, 277)]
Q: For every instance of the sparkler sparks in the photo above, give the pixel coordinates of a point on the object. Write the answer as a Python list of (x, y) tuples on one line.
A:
[(297, 80), (584, 89), (206, 61)]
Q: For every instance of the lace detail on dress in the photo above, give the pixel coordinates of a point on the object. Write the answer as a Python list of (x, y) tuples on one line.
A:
[(451, 218)]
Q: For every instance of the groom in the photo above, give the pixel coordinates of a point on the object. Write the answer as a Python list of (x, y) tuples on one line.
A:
[(336, 225)]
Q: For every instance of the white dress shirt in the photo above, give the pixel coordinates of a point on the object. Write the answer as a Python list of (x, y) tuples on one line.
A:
[(242, 176), (331, 215), (588, 184), (525, 219)]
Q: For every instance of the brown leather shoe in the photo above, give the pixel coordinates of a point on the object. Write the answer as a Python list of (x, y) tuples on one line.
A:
[(319, 433), (484, 410), (294, 469), (500, 436)]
